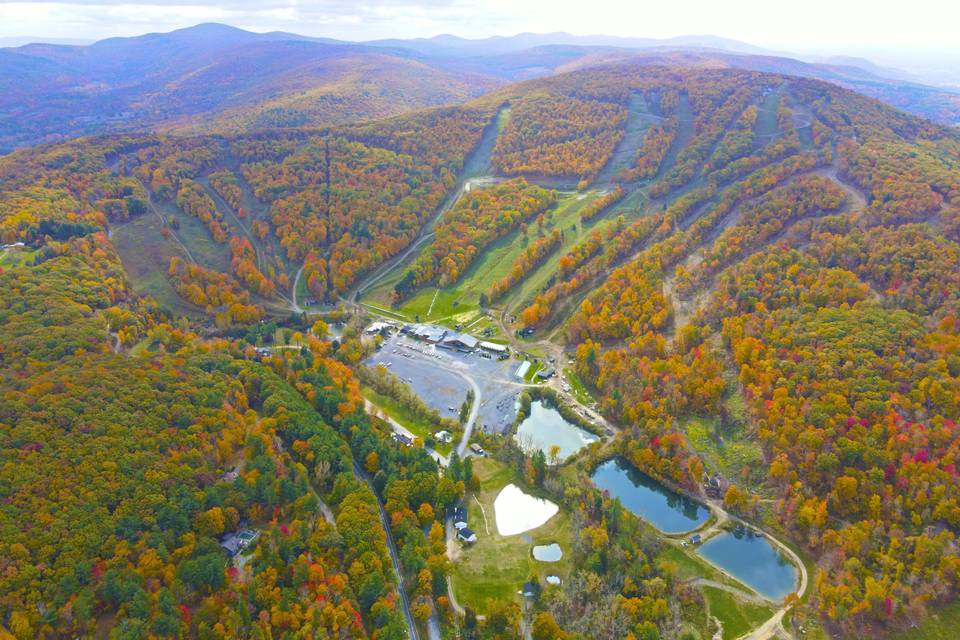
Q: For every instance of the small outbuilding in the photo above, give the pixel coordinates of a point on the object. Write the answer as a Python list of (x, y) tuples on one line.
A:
[(234, 543), (403, 439)]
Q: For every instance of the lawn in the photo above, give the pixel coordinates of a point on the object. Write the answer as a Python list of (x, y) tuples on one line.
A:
[(736, 617), (419, 428), (530, 376), (496, 566)]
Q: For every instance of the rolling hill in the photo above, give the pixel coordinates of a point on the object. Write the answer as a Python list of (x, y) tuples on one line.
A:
[(211, 71), (212, 77)]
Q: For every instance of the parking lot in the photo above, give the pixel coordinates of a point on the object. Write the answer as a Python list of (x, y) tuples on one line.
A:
[(442, 377)]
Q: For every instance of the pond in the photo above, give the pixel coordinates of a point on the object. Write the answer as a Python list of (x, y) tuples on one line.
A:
[(547, 552), (753, 560), (516, 512), (664, 508), (545, 428)]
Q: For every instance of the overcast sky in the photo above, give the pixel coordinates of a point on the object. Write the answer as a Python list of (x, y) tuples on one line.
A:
[(835, 26)]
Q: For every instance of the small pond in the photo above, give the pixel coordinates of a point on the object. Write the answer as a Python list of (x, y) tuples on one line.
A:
[(753, 560), (547, 552), (664, 508), (545, 427)]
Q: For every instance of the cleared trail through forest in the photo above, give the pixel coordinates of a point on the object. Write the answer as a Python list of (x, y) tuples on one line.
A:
[(475, 170)]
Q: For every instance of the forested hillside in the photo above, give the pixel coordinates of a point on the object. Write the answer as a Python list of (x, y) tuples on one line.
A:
[(747, 275)]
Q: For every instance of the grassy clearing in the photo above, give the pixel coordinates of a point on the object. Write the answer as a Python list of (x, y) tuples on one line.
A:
[(17, 256), (577, 387), (939, 623), (766, 126), (420, 428), (728, 449), (639, 120), (736, 617), (196, 237), (145, 255), (496, 566), (568, 217)]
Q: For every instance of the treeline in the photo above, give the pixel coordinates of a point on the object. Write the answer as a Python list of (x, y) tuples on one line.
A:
[(217, 293), (602, 203), (555, 135), (528, 260)]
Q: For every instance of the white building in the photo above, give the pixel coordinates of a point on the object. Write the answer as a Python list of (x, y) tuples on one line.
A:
[(494, 347), (522, 370)]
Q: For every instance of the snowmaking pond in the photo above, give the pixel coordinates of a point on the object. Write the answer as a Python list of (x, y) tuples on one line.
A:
[(517, 512), (545, 428)]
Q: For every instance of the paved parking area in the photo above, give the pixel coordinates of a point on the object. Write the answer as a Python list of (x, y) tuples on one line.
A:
[(442, 377)]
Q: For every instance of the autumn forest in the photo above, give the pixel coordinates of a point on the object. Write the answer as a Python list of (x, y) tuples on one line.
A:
[(742, 285)]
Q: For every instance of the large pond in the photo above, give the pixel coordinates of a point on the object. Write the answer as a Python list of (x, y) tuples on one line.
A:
[(547, 552), (664, 508), (545, 428), (754, 561)]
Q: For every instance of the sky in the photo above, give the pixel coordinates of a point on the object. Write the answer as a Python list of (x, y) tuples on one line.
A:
[(919, 28)]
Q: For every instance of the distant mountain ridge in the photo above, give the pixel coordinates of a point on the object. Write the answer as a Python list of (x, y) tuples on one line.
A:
[(217, 77)]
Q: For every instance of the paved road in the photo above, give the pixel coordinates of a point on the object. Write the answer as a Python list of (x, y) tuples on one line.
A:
[(394, 556)]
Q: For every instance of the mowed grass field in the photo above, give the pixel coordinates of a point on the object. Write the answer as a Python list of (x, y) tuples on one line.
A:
[(497, 566)]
